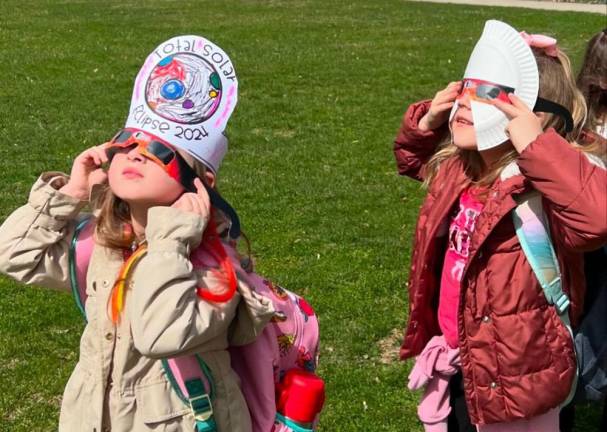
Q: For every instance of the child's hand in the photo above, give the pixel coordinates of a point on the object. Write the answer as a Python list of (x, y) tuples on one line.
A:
[(524, 126), (86, 171), (440, 107), (198, 203)]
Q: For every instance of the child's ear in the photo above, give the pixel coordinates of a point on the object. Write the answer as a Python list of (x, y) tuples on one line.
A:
[(209, 178)]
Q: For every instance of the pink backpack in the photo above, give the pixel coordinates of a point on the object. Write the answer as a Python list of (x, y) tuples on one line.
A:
[(276, 371)]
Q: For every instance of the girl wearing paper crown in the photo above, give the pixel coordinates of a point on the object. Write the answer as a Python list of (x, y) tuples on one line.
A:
[(160, 283), (486, 309)]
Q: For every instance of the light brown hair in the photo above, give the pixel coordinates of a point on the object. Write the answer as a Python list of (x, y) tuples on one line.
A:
[(592, 79)]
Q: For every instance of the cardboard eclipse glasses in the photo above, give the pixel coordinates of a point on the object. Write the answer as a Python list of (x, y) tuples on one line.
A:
[(485, 91), (164, 155)]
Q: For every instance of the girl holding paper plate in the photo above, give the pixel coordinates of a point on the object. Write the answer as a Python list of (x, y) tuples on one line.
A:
[(494, 151)]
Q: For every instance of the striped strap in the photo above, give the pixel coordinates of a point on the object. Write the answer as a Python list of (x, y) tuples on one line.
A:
[(531, 228), (532, 231)]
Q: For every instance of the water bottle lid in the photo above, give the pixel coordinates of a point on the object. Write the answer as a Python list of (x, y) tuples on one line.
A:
[(301, 395)]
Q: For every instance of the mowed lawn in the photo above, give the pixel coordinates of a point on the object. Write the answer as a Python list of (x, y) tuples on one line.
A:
[(323, 86)]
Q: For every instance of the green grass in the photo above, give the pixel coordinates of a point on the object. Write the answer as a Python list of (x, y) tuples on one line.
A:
[(323, 85)]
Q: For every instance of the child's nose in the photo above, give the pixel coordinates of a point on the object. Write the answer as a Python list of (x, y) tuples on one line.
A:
[(135, 154), (463, 100)]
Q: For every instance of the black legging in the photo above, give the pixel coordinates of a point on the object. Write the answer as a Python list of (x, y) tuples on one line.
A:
[(567, 418), (458, 420)]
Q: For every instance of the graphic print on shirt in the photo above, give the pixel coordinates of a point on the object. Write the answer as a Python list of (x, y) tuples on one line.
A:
[(462, 224), (460, 233)]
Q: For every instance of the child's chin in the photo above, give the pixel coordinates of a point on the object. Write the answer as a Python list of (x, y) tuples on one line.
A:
[(465, 144), (131, 193)]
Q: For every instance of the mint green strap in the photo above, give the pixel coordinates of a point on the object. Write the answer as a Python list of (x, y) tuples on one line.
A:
[(291, 424), (200, 402), (73, 270)]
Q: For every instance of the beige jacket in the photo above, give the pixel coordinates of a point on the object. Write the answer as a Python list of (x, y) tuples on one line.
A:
[(118, 383)]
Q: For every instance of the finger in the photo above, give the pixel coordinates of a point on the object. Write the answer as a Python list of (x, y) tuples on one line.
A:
[(201, 190), (89, 157), (438, 105), (198, 184), (447, 97), (510, 110), (441, 93), (197, 207), (195, 203), (97, 177), (98, 157), (205, 205), (455, 86), (450, 89), (203, 196), (517, 102), (178, 204), (101, 152), (452, 95), (445, 106), (184, 203), (94, 157)]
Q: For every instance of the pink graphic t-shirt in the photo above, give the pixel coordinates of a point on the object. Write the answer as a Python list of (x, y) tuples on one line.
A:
[(460, 231)]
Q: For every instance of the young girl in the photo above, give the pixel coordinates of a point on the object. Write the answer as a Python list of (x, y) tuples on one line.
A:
[(475, 304), (592, 82), (151, 207)]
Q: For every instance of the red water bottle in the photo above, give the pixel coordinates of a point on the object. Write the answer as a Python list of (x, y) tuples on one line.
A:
[(300, 396)]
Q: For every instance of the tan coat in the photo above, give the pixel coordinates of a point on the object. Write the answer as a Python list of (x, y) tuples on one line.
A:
[(119, 383)]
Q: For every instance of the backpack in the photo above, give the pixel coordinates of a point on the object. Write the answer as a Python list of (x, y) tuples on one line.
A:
[(590, 338), (276, 371)]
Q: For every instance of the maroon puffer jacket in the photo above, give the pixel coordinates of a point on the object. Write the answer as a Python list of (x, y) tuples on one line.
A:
[(517, 357)]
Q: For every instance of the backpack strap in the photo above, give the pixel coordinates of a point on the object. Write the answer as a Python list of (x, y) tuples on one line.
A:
[(192, 380), (532, 230), (291, 424), (189, 376), (81, 248)]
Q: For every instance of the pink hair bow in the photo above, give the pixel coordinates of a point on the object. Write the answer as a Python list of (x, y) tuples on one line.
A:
[(547, 43)]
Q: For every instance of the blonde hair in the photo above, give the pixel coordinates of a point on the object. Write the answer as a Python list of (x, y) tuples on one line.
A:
[(556, 84)]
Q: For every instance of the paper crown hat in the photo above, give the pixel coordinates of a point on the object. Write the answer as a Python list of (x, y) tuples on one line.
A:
[(501, 56), (184, 94)]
